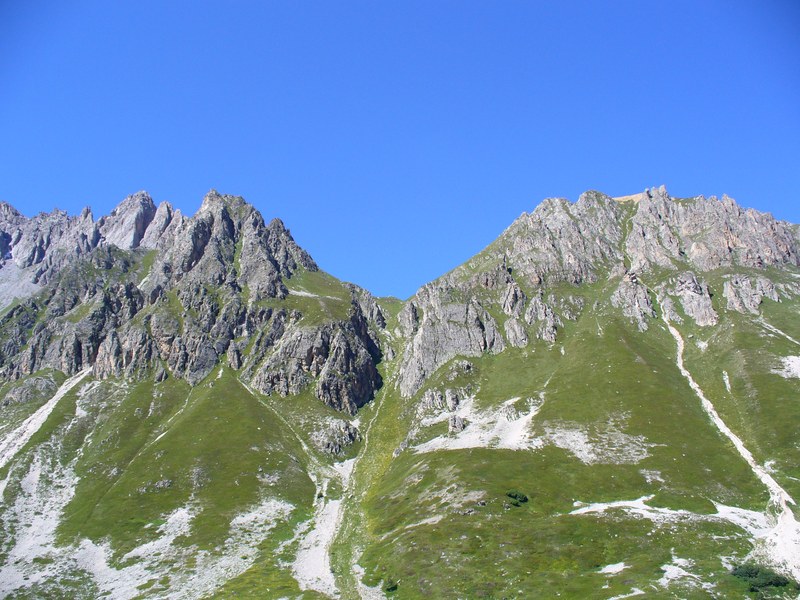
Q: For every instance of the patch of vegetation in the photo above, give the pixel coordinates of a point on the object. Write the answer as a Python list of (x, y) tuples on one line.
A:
[(147, 260), (80, 312), (760, 578), (517, 497), (318, 296), (171, 432)]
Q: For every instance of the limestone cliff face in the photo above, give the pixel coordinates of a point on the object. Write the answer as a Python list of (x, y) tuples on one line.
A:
[(148, 290), (706, 234), (624, 245), (226, 243), (447, 326)]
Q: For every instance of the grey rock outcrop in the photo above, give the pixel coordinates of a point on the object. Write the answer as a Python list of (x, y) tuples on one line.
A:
[(560, 241), (695, 300), (149, 291), (32, 388), (632, 297), (449, 327), (126, 225), (432, 401), (336, 355), (515, 333), (570, 307), (745, 294), (594, 239), (225, 243), (542, 316), (452, 399), (335, 436), (669, 309), (435, 401), (513, 301), (455, 424), (706, 234), (199, 300), (162, 220)]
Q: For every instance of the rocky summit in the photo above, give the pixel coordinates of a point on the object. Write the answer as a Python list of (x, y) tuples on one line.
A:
[(603, 403)]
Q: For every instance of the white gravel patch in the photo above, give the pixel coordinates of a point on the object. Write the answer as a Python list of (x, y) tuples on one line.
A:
[(15, 440), (345, 469), (400, 530), (774, 329), (678, 571), (27, 536), (507, 427), (613, 569), (306, 294), (673, 573), (727, 381), (303, 293), (790, 367), (366, 592), (652, 476), (631, 594), (29, 524), (312, 564), (610, 446), (510, 427), (162, 556), (39, 508), (638, 508), (754, 523)]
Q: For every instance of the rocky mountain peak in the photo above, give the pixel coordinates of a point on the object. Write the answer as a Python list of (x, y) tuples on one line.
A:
[(214, 201), (225, 264), (158, 290), (8, 212), (126, 225), (597, 239)]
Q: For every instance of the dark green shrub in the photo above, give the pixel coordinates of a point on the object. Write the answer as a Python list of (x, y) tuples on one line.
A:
[(517, 496), (759, 577), (391, 586)]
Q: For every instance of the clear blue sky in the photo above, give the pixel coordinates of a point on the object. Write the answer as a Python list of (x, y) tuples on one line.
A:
[(396, 139)]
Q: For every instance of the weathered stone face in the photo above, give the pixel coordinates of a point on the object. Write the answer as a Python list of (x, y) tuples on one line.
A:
[(594, 239), (203, 292), (216, 285)]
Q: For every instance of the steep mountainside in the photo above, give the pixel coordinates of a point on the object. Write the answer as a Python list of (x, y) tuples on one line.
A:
[(602, 403)]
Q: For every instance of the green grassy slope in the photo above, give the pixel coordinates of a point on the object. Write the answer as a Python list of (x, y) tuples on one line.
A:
[(440, 523)]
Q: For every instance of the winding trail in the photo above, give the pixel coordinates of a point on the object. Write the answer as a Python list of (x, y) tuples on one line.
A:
[(781, 543), (14, 441)]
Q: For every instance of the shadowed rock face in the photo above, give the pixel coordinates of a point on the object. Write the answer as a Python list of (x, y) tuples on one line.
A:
[(147, 288), (201, 299)]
